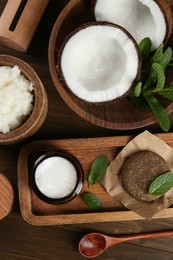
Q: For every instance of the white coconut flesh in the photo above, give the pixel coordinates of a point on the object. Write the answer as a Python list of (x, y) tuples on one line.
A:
[(99, 63), (142, 18)]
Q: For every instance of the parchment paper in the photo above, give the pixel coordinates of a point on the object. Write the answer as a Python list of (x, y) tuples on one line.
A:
[(112, 184)]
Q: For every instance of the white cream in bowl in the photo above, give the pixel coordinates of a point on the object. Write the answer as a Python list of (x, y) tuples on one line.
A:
[(16, 98), (55, 177)]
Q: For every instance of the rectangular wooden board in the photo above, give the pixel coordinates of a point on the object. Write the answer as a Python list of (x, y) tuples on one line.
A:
[(37, 212)]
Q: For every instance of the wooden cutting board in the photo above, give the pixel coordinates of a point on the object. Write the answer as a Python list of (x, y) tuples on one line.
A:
[(40, 213), (6, 196)]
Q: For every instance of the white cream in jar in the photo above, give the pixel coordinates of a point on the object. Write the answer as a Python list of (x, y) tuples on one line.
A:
[(55, 177)]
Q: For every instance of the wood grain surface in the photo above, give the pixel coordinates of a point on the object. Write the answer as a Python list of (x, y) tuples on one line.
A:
[(6, 196), (20, 240)]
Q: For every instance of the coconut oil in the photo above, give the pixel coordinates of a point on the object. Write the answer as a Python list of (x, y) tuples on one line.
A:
[(56, 177)]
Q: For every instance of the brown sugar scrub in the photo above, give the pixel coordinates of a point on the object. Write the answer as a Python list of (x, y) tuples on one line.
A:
[(138, 172), (112, 183)]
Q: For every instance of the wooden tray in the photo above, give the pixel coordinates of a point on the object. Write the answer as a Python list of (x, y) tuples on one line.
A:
[(37, 212), (120, 115)]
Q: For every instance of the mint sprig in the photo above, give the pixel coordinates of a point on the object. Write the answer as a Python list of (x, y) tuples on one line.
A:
[(161, 184), (92, 201), (98, 169), (152, 84)]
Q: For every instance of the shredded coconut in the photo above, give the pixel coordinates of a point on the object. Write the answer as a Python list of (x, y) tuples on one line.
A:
[(16, 99)]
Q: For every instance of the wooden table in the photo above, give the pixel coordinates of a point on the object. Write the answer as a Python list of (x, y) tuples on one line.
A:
[(20, 240)]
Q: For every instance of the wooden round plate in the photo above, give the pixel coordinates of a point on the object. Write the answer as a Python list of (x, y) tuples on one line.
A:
[(122, 115)]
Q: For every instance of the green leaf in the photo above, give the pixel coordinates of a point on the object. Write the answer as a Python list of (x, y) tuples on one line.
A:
[(161, 184), (167, 93), (167, 56), (158, 110), (92, 201), (98, 169), (145, 48), (152, 78), (158, 55), (137, 89), (160, 74), (153, 82)]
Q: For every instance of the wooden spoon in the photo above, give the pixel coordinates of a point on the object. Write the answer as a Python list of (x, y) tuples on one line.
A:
[(94, 244)]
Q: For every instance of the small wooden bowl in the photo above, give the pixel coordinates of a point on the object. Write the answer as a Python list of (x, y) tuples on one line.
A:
[(79, 183), (34, 121), (120, 115)]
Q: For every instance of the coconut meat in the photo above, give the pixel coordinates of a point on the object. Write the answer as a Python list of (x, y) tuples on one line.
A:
[(99, 63), (142, 18)]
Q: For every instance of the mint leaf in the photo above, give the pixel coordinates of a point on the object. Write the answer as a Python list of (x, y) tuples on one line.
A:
[(167, 93), (161, 184), (167, 56), (92, 201), (158, 110), (160, 74), (137, 89), (158, 56), (98, 169), (145, 48)]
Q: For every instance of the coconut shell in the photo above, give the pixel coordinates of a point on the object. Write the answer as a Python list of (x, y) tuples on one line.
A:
[(166, 9), (61, 75), (165, 6)]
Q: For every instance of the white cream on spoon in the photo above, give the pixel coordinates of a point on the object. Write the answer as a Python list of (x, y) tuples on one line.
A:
[(56, 177)]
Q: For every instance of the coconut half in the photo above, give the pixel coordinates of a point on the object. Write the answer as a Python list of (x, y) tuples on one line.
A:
[(99, 62), (142, 18)]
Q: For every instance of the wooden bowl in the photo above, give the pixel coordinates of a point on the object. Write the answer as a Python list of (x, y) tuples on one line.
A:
[(121, 115), (34, 121)]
